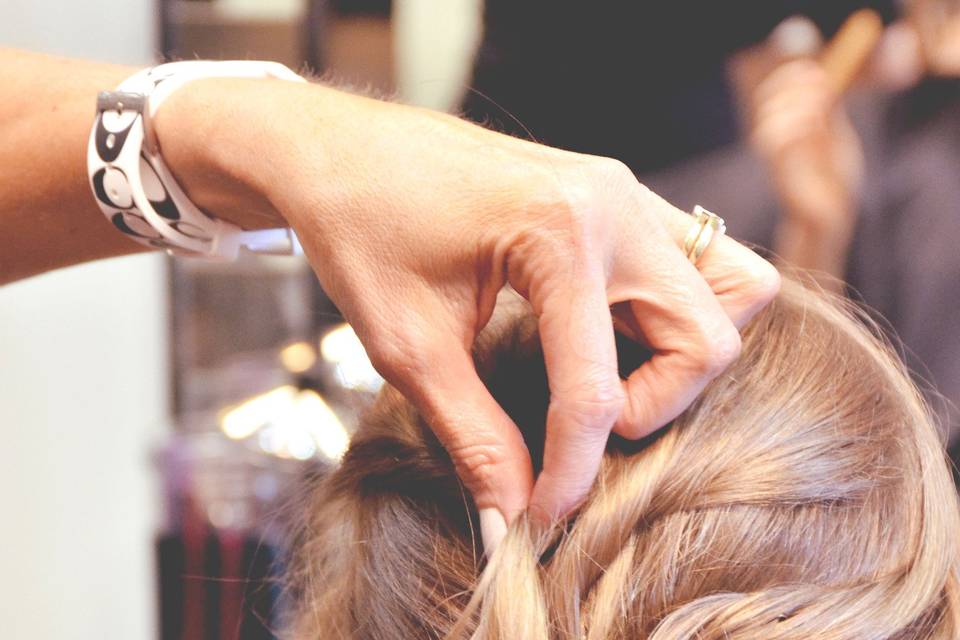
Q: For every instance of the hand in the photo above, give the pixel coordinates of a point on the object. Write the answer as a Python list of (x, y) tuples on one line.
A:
[(811, 149), (414, 220)]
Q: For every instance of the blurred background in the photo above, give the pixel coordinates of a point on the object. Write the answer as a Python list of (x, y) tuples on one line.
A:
[(158, 415)]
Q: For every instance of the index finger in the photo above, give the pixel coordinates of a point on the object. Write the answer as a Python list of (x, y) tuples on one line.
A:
[(586, 396)]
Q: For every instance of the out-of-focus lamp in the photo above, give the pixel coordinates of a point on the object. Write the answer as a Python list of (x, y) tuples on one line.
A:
[(298, 357), (342, 348), (289, 423)]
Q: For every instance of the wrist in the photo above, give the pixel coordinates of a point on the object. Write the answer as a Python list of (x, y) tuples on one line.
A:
[(222, 162)]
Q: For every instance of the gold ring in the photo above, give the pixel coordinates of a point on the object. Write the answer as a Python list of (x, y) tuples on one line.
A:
[(705, 226)]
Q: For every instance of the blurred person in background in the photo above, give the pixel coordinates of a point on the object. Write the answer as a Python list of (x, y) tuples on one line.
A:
[(878, 204), (644, 82), (798, 127)]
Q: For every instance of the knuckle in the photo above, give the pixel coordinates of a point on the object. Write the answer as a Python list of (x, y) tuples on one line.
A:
[(400, 356), (621, 182), (477, 463), (572, 219), (565, 241), (616, 177), (637, 421), (614, 170), (563, 219), (577, 208), (597, 405), (764, 280), (384, 357), (722, 349)]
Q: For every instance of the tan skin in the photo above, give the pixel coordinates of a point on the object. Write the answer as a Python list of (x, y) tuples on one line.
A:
[(413, 220)]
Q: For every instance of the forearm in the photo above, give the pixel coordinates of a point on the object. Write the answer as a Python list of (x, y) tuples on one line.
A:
[(246, 151), (48, 215)]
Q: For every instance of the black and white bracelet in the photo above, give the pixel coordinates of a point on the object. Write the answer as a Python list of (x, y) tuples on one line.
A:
[(133, 186)]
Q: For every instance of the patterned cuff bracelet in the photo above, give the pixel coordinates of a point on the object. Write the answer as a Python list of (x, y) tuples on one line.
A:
[(133, 186)]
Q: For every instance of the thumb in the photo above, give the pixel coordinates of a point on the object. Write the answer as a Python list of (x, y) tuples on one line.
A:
[(484, 444)]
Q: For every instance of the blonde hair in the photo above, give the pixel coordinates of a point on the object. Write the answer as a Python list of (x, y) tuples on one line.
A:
[(804, 494)]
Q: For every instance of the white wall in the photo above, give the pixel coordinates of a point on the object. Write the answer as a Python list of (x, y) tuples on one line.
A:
[(83, 392), (434, 45)]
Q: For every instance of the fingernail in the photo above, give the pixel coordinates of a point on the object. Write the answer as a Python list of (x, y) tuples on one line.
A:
[(493, 527)]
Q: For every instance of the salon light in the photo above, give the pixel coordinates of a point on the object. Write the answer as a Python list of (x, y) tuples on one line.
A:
[(245, 419), (320, 420), (340, 343), (298, 357), (286, 440), (289, 423), (342, 348)]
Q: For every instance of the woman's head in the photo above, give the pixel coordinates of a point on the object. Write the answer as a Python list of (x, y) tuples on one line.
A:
[(804, 494)]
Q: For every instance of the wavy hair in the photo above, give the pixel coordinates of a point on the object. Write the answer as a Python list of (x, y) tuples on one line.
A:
[(805, 494)]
